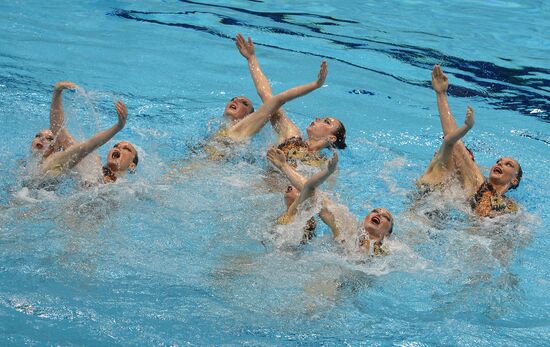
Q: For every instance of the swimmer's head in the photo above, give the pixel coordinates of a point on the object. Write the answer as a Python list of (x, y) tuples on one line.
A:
[(122, 157), (328, 128), (506, 171), (378, 223), (238, 108), (291, 194), (41, 142)]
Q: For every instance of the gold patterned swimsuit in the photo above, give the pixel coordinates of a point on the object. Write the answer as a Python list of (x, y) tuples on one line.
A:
[(488, 203), (108, 175), (296, 151), (216, 147), (375, 248)]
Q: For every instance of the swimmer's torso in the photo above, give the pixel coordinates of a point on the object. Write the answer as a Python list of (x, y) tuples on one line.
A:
[(216, 148)]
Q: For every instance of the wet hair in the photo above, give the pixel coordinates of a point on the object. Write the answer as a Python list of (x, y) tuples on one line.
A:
[(340, 134), (136, 159), (391, 228), (518, 176)]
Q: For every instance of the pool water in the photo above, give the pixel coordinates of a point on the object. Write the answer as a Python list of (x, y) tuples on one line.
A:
[(195, 258)]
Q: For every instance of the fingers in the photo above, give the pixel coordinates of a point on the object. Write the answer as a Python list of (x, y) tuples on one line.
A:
[(65, 85), (122, 112), (470, 112), (250, 43), (469, 117), (239, 39), (323, 71), (436, 72), (272, 154), (276, 156)]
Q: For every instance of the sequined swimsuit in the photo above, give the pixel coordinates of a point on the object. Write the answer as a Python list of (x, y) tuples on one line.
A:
[(488, 203), (108, 175), (296, 151), (376, 248)]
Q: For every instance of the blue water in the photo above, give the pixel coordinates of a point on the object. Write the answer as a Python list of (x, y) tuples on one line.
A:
[(195, 258)]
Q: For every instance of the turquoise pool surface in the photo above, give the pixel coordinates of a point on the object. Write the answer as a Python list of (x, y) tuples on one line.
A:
[(195, 258)]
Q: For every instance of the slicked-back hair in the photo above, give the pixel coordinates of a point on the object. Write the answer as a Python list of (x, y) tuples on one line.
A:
[(518, 176), (340, 134)]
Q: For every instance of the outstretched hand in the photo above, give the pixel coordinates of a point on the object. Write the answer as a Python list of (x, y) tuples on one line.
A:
[(245, 47), (332, 163), (323, 71), (469, 121), (65, 85), (440, 82), (276, 157), (122, 112)]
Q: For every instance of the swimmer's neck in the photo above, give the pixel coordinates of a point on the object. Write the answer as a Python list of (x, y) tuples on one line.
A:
[(374, 237), (499, 189), (314, 145), (110, 175)]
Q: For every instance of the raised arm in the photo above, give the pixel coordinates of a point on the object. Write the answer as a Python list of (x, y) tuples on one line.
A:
[(255, 121), (246, 48), (328, 217), (440, 84), (452, 137), (73, 155), (468, 170), (284, 127), (318, 178), (62, 138), (57, 115), (278, 159), (313, 182)]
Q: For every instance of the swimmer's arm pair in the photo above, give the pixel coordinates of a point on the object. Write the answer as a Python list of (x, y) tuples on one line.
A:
[(308, 189), (254, 122), (466, 165), (74, 154), (445, 154), (63, 139), (278, 159), (284, 127)]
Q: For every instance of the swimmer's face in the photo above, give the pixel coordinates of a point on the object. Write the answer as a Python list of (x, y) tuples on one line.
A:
[(378, 223), (41, 142), (238, 108), (323, 128), (121, 157), (291, 194), (505, 171)]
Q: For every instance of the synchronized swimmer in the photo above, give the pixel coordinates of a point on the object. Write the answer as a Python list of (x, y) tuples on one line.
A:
[(59, 152), (453, 164)]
